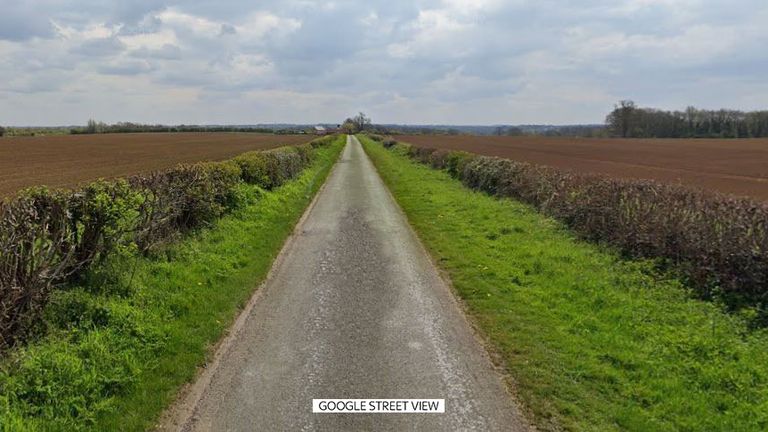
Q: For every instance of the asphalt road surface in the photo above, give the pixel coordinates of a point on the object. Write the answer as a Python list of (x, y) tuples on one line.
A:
[(354, 309)]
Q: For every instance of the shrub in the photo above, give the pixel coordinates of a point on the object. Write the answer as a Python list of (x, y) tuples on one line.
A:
[(421, 154), (159, 211), (281, 166), (49, 237), (451, 161), (323, 141), (388, 142), (719, 242), (304, 152), (253, 166), (401, 149), (102, 214), (223, 177), (272, 168), (197, 202), (36, 250), (456, 162)]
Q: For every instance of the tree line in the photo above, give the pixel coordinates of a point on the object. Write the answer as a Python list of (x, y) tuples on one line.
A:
[(358, 123), (627, 120), (96, 127)]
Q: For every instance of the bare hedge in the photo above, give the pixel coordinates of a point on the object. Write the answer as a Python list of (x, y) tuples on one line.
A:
[(719, 241), (49, 237)]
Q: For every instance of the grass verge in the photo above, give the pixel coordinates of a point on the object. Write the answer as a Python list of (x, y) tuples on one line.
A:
[(591, 341), (117, 348)]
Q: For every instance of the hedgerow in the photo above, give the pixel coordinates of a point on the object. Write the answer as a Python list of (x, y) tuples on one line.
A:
[(719, 242), (386, 141), (51, 237), (375, 137)]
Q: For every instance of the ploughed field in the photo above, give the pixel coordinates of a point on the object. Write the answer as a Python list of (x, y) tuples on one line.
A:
[(69, 160), (737, 167)]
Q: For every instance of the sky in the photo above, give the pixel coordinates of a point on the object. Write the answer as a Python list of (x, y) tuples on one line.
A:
[(400, 61)]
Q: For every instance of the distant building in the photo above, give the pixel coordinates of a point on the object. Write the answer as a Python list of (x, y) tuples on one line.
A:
[(320, 130)]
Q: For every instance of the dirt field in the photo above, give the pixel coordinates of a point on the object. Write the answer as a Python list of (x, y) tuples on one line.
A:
[(68, 160), (732, 166)]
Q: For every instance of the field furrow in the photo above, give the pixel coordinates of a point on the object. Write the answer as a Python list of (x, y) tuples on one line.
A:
[(69, 160), (738, 167)]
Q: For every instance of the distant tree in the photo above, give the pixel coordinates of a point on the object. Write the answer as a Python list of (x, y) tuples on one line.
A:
[(358, 123), (348, 127), (2, 131), (361, 122), (621, 119), (92, 127), (514, 131), (508, 131), (628, 120)]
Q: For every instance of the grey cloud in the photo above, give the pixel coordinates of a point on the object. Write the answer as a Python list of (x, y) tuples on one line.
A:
[(148, 24), (101, 47), (20, 22), (44, 82), (227, 29), (526, 61), (126, 68), (133, 11), (183, 77), (166, 52)]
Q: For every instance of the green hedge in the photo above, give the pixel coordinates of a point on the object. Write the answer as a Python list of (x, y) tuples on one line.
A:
[(50, 237), (719, 242)]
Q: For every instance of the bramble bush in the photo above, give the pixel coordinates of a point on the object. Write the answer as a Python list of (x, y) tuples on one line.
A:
[(50, 237), (719, 242)]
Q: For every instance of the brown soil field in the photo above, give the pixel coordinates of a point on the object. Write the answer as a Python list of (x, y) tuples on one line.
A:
[(69, 160), (738, 167)]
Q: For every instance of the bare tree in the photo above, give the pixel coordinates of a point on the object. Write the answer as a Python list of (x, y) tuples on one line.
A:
[(361, 122)]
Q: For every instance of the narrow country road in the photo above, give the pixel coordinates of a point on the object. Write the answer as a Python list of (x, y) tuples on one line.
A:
[(354, 309)]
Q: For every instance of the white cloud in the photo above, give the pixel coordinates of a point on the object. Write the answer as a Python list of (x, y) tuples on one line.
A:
[(434, 33), (459, 61), (156, 40), (259, 24), (693, 45), (198, 25)]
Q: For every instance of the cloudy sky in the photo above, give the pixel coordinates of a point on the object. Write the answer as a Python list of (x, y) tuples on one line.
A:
[(406, 61)]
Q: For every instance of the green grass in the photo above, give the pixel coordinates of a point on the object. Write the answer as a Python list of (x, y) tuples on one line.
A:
[(117, 349), (591, 341)]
